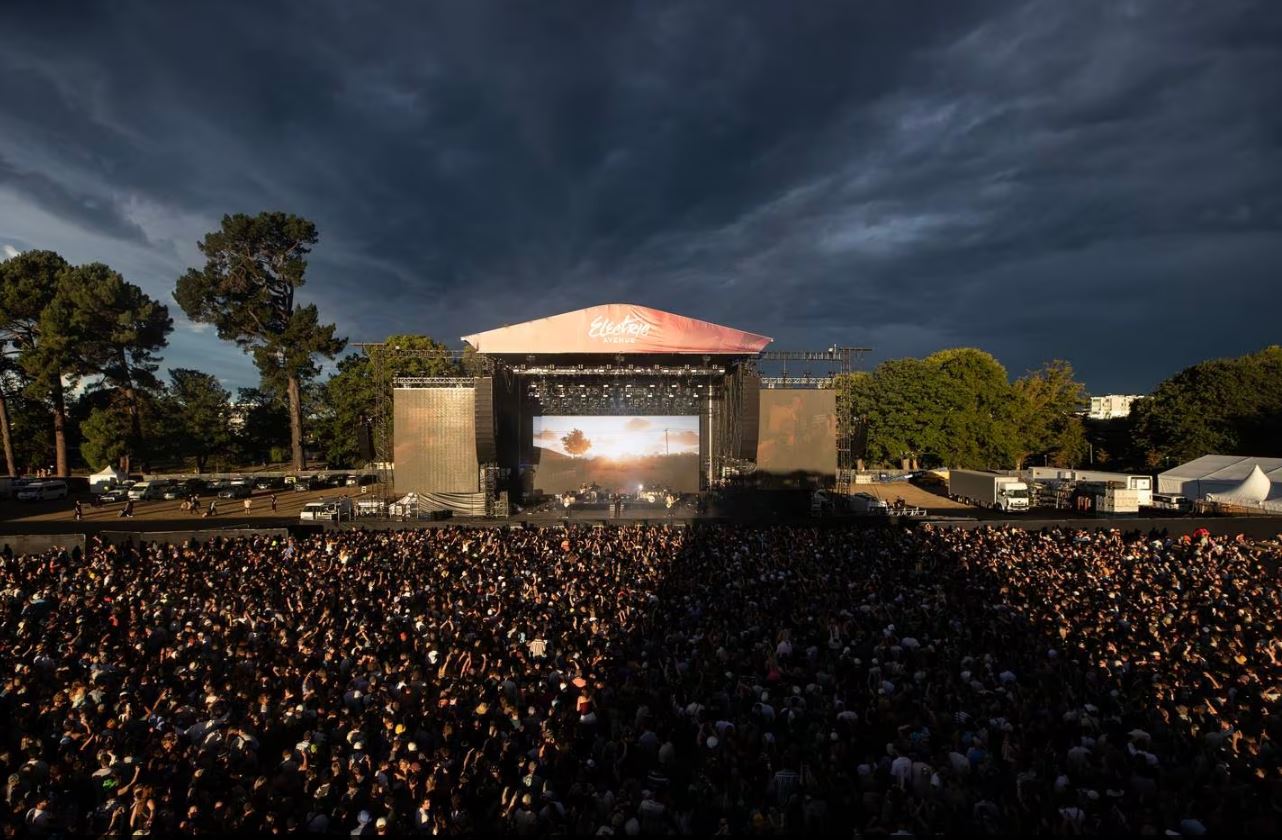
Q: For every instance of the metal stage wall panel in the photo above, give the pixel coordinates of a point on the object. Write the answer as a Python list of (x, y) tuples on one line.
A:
[(435, 446)]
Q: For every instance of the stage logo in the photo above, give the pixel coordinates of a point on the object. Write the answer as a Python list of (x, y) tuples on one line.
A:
[(627, 331)]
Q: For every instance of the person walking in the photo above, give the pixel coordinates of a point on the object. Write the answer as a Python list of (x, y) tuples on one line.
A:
[(273, 502), (80, 514), (213, 508), (249, 504), (127, 512)]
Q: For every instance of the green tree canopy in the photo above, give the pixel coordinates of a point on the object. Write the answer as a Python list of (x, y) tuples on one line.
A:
[(28, 284), (351, 396), (200, 415), (108, 327), (253, 266), (104, 436), (1222, 407), (1045, 414), (958, 408), (30, 424), (262, 426)]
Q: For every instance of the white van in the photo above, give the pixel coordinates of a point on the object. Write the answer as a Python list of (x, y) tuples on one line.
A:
[(148, 490), (39, 491)]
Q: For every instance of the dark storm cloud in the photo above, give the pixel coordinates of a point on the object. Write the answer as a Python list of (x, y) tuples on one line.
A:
[(56, 198), (1042, 179)]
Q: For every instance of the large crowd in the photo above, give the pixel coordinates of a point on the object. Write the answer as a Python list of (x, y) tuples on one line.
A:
[(644, 680)]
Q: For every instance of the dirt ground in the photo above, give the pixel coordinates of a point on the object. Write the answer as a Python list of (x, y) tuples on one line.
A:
[(288, 505), (912, 494)]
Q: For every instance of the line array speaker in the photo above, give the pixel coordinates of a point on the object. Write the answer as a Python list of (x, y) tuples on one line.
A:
[(749, 416), (486, 450), (365, 441)]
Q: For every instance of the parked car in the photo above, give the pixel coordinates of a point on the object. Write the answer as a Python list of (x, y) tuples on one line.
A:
[(39, 491), (336, 480), (236, 490), (174, 491), (115, 494), (195, 485), (332, 510), (269, 483), (314, 482), (368, 478)]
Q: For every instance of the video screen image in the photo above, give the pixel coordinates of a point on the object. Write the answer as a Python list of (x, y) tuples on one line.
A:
[(618, 454), (798, 433)]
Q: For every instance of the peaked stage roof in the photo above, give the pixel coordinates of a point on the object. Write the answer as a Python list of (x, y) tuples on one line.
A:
[(617, 328)]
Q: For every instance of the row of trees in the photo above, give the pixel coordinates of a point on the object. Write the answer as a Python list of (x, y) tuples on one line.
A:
[(79, 351), (64, 326), (958, 408), (1222, 406)]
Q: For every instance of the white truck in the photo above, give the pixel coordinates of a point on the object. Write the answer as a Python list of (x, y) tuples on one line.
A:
[(988, 489)]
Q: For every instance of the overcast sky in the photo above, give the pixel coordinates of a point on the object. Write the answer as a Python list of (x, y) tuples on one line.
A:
[(1095, 181)]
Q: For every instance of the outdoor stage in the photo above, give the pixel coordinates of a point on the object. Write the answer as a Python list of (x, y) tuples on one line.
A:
[(613, 402)]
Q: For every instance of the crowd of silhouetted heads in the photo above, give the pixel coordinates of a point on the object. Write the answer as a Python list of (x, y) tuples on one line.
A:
[(644, 681)]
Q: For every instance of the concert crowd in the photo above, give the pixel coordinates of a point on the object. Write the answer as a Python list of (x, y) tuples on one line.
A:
[(645, 681)]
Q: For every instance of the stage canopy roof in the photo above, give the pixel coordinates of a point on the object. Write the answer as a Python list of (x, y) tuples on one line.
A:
[(617, 328)]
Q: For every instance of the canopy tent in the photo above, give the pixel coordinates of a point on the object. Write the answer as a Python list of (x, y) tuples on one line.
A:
[(1253, 490), (106, 478), (1246, 479), (617, 328)]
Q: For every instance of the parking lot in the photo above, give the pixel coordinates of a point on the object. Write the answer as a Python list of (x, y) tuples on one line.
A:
[(288, 504)]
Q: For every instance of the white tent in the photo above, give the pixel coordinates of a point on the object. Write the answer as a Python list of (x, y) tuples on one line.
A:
[(1253, 490), (105, 479), (1220, 476)]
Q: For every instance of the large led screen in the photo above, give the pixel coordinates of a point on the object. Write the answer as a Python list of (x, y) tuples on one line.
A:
[(797, 437), (618, 454)]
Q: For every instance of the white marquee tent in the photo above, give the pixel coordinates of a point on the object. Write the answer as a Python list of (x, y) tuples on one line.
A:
[(1234, 479), (1252, 490), (106, 478)]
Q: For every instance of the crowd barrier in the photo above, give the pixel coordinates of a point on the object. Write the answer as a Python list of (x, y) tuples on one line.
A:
[(39, 543)]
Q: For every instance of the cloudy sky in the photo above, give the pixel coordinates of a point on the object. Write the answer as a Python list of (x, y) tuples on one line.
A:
[(1097, 181)]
